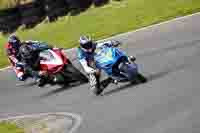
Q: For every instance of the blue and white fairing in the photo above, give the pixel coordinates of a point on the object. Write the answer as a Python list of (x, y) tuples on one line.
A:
[(107, 57)]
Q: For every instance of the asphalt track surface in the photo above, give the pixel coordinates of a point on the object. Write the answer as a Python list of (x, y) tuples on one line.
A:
[(168, 55)]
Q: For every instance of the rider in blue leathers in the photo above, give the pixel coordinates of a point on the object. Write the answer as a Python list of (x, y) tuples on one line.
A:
[(86, 52)]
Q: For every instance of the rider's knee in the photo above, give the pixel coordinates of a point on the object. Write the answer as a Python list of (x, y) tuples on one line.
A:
[(21, 78)]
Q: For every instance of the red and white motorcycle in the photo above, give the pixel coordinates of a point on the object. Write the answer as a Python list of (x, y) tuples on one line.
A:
[(58, 68)]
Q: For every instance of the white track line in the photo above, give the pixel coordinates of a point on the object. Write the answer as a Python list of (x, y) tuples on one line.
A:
[(5, 68), (141, 29), (76, 116)]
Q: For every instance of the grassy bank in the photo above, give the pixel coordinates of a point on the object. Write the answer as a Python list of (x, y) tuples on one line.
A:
[(9, 128), (4, 4), (114, 18)]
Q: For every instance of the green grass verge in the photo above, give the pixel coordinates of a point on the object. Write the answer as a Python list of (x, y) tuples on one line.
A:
[(114, 18), (9, 128), (4, 4)]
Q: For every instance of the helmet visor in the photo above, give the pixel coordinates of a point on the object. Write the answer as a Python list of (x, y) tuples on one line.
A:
[(88, 45)]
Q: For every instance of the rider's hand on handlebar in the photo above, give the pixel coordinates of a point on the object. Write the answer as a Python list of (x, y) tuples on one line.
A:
[(115, 43), (91, 71)]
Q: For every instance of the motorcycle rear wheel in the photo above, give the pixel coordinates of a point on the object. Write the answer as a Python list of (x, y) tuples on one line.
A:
[(72, 74)]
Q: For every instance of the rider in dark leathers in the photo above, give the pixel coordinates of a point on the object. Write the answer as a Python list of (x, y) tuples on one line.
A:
[(30, 59), (17, 59)]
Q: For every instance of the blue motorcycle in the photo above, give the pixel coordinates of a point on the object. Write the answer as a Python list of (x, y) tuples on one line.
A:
[(117, 65)]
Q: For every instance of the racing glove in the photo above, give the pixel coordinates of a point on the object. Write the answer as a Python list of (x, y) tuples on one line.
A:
[(87, 69)]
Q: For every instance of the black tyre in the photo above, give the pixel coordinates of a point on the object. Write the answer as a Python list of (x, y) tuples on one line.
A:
[(42, 81), (73, 74), (141, 78)]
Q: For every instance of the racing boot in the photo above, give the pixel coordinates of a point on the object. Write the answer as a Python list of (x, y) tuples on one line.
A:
[(106, 82)]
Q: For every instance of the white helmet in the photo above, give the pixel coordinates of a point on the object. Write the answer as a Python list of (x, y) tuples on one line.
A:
[(86, 42)]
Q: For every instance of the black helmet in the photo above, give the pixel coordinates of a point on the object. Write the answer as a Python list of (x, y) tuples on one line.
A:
[(26, 51), (86, 42)]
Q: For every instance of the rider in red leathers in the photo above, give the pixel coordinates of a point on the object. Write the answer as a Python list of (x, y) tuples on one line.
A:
[(13, 52)]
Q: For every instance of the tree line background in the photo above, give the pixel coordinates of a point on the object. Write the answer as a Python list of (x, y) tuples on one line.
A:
[(34, 12)]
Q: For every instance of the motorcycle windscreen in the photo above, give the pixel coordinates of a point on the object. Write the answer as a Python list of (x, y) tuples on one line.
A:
[(50, 60), (107, 57)]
